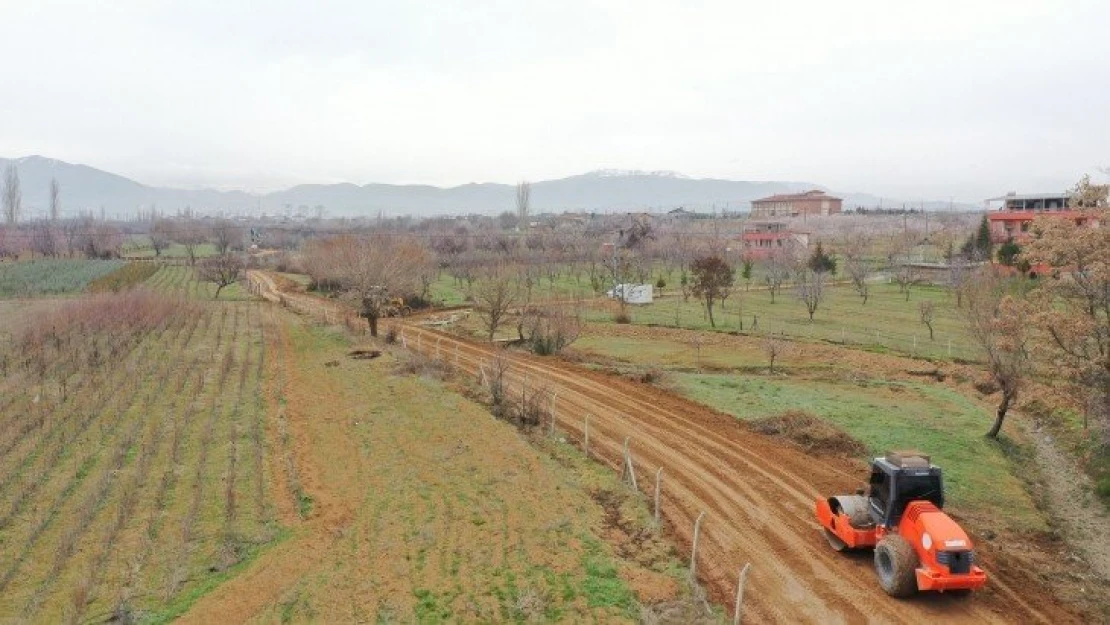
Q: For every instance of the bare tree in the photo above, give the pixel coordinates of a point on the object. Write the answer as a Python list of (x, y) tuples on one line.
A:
[(55, 199), (959, 271), (226, 236), (998, 324), (904, 271), (161, 235), (776, 270), (926, 310), (222, 270), (811, 289), (775, 346), (43, 239), (523, 203), (496, 293), (549, 331), (190, 235), (372, 271), (856, 265), (12, 196)]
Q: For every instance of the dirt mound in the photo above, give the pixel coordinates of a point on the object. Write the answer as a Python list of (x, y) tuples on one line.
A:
[(810, 433)]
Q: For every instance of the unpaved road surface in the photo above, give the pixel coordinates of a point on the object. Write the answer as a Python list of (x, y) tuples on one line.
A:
[(757, 494)]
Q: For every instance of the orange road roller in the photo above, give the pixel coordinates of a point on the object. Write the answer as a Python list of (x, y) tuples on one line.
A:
[(917, 546)]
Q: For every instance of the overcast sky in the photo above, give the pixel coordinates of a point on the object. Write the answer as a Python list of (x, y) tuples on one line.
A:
[(924, 99)]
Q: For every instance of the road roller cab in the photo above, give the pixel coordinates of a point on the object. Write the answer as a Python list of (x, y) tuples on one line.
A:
[(917, 546)]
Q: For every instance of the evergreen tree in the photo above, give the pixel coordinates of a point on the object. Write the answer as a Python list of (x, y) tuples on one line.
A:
[(820, 262)]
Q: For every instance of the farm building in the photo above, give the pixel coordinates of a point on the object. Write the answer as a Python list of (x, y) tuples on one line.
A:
[(759, 240), (814, 202), (1011, 215)]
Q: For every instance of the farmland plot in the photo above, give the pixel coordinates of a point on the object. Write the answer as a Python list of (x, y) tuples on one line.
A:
[(132, 465)]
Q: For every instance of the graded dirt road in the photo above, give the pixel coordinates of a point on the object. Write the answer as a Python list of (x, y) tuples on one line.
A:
[(757, 494)]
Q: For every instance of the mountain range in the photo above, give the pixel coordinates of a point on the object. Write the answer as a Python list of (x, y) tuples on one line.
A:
[(87, 189)]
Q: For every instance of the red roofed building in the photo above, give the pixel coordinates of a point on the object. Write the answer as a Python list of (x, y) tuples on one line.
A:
[(1011, 215), (794, 204), (760, 240)]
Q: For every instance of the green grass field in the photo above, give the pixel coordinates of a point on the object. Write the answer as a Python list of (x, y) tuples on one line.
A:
[(182, 279), (888, 322), (51, 276)]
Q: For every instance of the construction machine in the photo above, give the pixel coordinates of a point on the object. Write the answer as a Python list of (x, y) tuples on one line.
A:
[(917, 546)]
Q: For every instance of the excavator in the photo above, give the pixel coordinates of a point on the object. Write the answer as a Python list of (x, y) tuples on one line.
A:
[(917, 546)]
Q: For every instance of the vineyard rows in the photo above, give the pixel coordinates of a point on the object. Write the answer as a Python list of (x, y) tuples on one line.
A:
[(133, 457)]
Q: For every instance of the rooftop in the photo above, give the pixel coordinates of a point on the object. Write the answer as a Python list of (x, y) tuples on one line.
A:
[(787, 197)]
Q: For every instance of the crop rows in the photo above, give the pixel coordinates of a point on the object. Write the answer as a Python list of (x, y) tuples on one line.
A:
[(145, 475)]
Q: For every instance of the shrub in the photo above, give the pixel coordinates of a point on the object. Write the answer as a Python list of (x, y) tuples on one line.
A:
[(622, 316), (810, 433)]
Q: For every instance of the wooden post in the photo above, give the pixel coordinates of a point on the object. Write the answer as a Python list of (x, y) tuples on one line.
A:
[(694, 550), (404, 343), (739, 609), (456, 355), (658, 477), (628, 464), (437, 346), (419, 339)]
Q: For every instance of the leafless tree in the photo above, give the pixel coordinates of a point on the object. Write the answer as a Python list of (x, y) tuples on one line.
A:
[(161, 235), (776, 270), (523, 203), (372, 271), (496, 293), (55, 199), (12, 196), (775, 346), (811, 289), (99, 240), (226, 236), (190, 235), (959, 271), (904, 271), (926, 309), (43, 239), (223, 270), (854, 250), (548, 331)]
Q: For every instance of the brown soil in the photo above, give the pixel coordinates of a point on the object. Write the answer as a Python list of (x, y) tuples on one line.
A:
[(757, 494)]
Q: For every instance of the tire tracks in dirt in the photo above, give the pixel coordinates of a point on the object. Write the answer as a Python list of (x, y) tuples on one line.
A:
[(758, 495)]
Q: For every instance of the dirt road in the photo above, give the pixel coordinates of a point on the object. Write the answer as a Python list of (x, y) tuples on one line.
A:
[(757, 495)]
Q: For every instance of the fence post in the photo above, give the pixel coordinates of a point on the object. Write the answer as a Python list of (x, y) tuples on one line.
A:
[(738, 611), (419, 339), (658, 477), (456, 355), (404, 343), (437, 347), (628, 464), (694, 550)]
